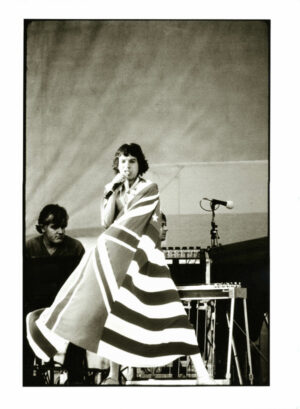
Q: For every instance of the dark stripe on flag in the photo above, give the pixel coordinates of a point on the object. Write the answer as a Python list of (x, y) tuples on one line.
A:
[(150, 191), (60, 306), (148, 350), (140, 257), (153, 233), (151, 298), (154, 270), (120, 258), (142, 204), (135, 223), (123, 236), (152, 324), (38, 336)]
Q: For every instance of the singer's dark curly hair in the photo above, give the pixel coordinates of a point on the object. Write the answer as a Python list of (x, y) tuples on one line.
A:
[(132, 149), (52, 213)]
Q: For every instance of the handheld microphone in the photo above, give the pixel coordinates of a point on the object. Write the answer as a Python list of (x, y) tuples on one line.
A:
[(228, 204), (111, 191)]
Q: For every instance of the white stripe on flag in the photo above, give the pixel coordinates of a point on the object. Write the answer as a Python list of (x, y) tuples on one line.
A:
[(36, 349), (154, 255), (129, 231), (149, 284), (140, 211), (57, 341), (101, 287), (172, 309), (120, 242), (146, 336), (126, 358), (147, 198)]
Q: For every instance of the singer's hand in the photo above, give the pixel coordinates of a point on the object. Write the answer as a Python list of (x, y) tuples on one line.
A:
[(119, 178), (117, 181)]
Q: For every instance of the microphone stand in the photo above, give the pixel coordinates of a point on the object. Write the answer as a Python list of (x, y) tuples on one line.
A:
[(210, 314), (214, 241)]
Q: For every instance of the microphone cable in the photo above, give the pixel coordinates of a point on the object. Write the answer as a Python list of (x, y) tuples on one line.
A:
[(203, 208)]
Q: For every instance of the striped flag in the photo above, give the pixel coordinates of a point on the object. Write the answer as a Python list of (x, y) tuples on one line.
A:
[(120, 302)]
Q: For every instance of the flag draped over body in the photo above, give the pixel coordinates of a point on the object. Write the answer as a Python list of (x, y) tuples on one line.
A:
[(120, 302)]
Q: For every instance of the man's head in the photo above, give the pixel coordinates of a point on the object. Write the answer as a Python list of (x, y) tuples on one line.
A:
[(132, 150), (52, 223), (163, 227)]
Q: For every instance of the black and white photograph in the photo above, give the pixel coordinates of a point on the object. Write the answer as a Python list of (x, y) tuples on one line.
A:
[(186, 101), (147, 230)]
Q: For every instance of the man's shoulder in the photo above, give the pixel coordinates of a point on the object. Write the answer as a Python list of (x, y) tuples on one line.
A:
[(74, 243), (34, 247), (72, 240), (33, 241)]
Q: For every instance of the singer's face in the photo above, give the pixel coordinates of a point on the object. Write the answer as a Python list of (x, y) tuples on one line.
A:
[(129, 167)]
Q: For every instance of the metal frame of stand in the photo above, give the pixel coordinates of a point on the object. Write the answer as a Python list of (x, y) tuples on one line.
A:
[(214, 234), (207, 303), (209, 332)]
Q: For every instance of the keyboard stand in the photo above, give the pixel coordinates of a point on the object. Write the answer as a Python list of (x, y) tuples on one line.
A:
[(209, 344), (206, 297)]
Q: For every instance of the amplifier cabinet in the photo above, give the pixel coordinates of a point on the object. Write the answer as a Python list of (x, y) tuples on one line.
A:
[(187, 265)]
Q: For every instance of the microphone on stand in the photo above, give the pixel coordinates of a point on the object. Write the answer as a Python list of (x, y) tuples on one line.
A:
[(228, 203)]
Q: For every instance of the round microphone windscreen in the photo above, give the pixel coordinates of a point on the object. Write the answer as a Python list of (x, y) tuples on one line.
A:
[(229, 204)]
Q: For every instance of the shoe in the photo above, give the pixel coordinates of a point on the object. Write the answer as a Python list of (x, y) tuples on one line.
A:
[(110, 381)]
